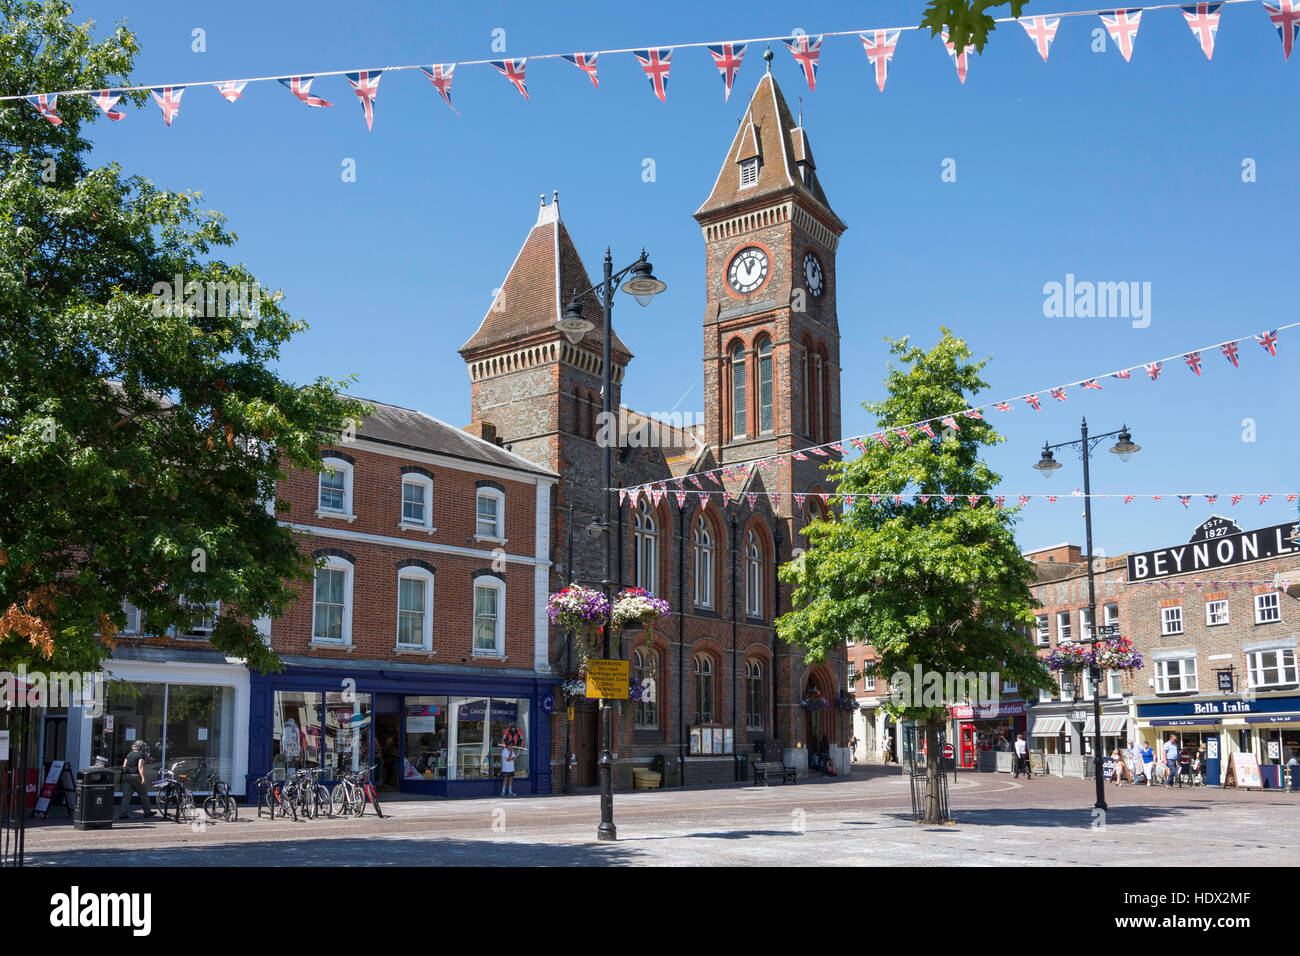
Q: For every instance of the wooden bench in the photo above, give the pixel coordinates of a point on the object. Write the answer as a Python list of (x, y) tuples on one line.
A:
[(764, 769)]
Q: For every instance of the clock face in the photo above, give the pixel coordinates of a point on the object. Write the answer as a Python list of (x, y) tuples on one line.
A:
[(748, 270), (813, 276)]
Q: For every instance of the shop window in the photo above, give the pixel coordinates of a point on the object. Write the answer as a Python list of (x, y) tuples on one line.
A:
[(415, 609), (417, 501), (756, 694), (1063, 631), (426, 739), (1272, 668), (347, 733), (332, 602), (479, 727), (296, 730), (489, 617), (1176, 675), (1042, 631), (1267, 608), (1171, 620), (490, 513), (1216, 612)]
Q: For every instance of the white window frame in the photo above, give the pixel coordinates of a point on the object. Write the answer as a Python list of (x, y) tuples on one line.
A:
[(852, 672), (200, 633), (426, 483), (416, 573), (1114, 683), (1255, 667), (1263, 605), (1110, 614), (1211, 607), (704, 554), (500, 530), (335, 563), (338, 466), (499, 650), (1042, 630), (753, 575), (134, 616), (868, 680), (1169, 616), (1064, 629), (749, 172), (1185, 676), (1045, 696), (645, 536), (1085, 623)]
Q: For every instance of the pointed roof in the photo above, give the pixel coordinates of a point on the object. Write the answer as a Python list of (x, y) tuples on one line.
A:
[(771, 133), (532, 298)]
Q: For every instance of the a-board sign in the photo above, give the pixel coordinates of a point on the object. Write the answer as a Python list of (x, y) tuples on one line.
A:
[(1243, 772), (608, 679)]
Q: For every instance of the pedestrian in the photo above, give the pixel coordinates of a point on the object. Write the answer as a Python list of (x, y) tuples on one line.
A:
[(1022, 756), (508, 755), (1117, 767), (853, 749), (133, 780), (1171, 759), (1148, 763)]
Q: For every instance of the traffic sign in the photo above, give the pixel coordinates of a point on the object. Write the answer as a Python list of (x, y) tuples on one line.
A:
[(1108, 630), (948, 752), (608, 679)]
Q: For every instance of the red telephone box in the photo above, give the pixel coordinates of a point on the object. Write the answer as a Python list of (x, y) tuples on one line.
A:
[(969, 744)]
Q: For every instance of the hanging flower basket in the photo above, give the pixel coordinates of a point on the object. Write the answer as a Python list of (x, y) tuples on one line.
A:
[(580, 610), (574, 688), (1116, 655), (845, 702), (814, 702), (637, 607), (1069, 659)]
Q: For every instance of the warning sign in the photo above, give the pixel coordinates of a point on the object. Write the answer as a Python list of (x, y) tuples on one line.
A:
[(608, 679)]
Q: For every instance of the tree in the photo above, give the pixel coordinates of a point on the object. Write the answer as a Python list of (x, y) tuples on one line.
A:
[(141, 433), (938, 585), (967, 21)]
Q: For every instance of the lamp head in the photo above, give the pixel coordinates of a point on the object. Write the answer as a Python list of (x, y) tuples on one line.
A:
[(642, 284), (1047, 464), (573, 325), (1125, 447)]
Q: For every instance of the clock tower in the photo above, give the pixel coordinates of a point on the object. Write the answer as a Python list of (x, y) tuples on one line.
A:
[(771, 337)]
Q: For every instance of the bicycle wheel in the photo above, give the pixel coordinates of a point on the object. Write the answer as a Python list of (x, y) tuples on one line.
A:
[(324, 801), (373, 793), (339, 800), (185, 810), (213, 808), (357, 799), (231, 811), (166, 800)]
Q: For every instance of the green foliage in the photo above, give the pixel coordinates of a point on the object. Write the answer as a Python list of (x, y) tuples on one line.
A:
[(939, 585), (966, 20), (138, 441)]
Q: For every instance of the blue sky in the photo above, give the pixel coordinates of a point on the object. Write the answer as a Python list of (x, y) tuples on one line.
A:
[(1085, 165)]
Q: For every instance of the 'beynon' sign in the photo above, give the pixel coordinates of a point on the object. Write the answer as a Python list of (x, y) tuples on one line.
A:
[(1218, 550)]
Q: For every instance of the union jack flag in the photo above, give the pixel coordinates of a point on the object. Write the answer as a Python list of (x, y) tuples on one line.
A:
[(1032, 401), (826, 499), (1193, 360), (728, 474), (1264, 498), (950, 422), (1092, 383), (106, 100), (1291, 498), (726, 498), (1127, 499), (819, 451), (231, 90), (1000, 500), (776, 501), (300, 86), (1155, 497), (168, 99), (1024, 500), (681, 498), (882, 439), (974, 499), (1185, 499), (1203, 18), (1059, 393), (513, 70), (765, 465), (1002, 406), (439, 75), (898, 499), (960, 60), (750, 498), (902, 433), (46, 104), (973, 413), (713, 477), (799, 456), (836, 446), (655, 63), (1285, 15), (622, 496), (1153, 369), (875, 499), (695, 481), (806, 50), (947, 499), (925, 499), (366, 85), (1122, 373), (927, 428), (880, 46), (1122, 25), (799, 500), (1268, 341), (1211, 498), (1229, 350), (656, 496), (586, 62), (857, 443), (727, 57), (1042, 30), (1235, 499), (743, 469)]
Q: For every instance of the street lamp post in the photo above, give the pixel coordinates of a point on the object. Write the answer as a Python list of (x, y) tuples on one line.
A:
[(1125, 449), (643, 286)]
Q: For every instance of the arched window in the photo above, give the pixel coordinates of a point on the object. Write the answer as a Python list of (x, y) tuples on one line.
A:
[(647, 712), (578, 403), (807, 389), (755, 694), (753, 575), (737, 391), (644, 539), (702, 666), (824, 365), (703, 563), (819, 420), (765, 386)]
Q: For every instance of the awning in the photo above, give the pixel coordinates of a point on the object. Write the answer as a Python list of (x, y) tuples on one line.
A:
[(1206, 721), (1047, 726), (1112, 725), (1273, 718)]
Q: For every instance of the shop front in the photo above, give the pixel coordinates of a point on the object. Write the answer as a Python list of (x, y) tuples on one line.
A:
[(1267, 727), (986, 736), (422, 730)]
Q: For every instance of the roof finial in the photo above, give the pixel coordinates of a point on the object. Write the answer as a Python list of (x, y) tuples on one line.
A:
[(541, 200), (767, 55), (800, 112), (556, 196)]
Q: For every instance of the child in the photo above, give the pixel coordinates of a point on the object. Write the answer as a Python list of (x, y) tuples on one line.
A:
[(508, 756)]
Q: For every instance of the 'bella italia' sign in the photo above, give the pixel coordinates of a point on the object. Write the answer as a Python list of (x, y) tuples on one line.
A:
[(1217, 543)]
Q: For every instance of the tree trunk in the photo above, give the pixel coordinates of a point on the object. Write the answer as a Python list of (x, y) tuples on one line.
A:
[(933, 771)]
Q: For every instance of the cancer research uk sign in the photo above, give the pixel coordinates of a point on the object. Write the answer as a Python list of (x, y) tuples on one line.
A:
[(1217, 543)]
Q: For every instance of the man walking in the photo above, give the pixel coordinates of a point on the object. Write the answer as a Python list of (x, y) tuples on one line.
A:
[(1022, 756), (133, 781), (1171, 759)]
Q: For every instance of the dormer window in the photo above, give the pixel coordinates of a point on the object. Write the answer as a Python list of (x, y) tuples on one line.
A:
[(806, 174), (749, 172)]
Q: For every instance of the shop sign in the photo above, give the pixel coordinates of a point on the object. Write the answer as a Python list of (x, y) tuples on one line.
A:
[(608, 679), (1214, 546), (1225, 679), (548, 703), (967, 712), (502, 710)]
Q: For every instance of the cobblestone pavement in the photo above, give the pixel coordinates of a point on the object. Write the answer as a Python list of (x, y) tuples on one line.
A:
[(865, 820)]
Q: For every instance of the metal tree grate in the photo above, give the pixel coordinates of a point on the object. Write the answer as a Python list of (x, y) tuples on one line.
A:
[(13, 791), (917, 771)]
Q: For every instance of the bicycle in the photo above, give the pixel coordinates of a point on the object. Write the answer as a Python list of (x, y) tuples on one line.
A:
[(173, 792), (308, 794), (221, 805), (270, 797), (353, 791)]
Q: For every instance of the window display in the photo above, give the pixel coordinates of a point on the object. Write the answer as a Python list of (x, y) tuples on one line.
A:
[(347, 733), (426, 739), (296, 735), (477, 726)]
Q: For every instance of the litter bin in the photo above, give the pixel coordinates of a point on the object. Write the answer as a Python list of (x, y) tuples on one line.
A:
[(94, 809), (742, 766)]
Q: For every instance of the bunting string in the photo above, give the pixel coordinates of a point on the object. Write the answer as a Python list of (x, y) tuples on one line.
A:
[(879, 45), (1230, 349)]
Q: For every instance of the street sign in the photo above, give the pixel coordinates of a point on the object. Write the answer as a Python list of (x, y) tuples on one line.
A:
[(948, 752), (608, 679), (1108, 630)]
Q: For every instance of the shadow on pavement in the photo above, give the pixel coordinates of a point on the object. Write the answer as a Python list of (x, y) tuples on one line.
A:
[(1078, 817)]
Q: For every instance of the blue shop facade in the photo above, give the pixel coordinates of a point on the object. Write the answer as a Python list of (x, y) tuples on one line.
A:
[(429, 730)]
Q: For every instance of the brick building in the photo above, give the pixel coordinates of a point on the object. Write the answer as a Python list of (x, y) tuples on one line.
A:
[(421, 639), (771, 370)]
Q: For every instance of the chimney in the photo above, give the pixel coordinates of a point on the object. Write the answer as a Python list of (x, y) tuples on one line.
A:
[(484, 430)]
